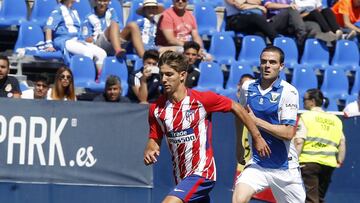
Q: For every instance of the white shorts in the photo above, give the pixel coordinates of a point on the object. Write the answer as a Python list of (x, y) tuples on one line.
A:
[(286, 184)]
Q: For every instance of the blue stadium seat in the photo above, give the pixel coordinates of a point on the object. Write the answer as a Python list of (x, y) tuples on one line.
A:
[(84, 71), (13, 12), (30, 34), (236, 71), (356, 86), (133, 16), (332, 105), (211, 77), (206, 18), (304, 78), (316, 54), (346, 55), (41, 11), (251, 48), (222, 47), (335, 84), (138, 64), (83, 8), (288, 45), (119, 11), (350, 99)]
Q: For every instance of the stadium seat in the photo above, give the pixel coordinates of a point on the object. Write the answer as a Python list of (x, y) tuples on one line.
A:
[(335, 84), (304, 78), (133, 16), (41, 11), (356, 86), (119, 11), (30, 34), (251, 48), (316, 54), (211, 77), (12, 12), (206, 19), (83, 8), (332, 106), (84, 71), (138, 64), (350, 99), (222, 47), (288, 45), (236, 71), (112, 66), (346, 55)]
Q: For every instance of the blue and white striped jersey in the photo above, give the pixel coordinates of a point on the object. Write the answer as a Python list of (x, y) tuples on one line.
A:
[(277, 105)]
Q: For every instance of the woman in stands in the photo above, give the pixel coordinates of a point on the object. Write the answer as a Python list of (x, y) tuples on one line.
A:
[(62, 32), (63, 88)]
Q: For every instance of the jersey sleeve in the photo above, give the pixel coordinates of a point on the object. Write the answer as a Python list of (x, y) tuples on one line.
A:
[(215, 103), (155, 130), (289, 106), (114, 15), (54, 20)]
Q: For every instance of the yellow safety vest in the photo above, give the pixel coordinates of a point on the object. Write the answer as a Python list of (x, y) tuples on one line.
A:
[(324, 132)]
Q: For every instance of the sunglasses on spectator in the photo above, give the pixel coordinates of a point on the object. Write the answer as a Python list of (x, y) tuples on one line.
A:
[(67, 77), (181, 1)]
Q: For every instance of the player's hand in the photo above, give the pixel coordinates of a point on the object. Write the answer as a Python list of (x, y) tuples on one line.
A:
[(261, 147), (251, 113), (151, 154), (89, 39), (50, 49)]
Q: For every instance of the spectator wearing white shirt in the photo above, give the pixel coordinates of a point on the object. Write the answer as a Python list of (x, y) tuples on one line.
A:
[(40, 90)]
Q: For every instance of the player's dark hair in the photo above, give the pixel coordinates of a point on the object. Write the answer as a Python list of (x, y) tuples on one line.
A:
[(3, 57), (152, 54), (175, 60), (191, 45), (317, 95), (272, 48)]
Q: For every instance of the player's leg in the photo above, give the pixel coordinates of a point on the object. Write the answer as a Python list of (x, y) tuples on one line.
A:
[(132, 32), (193, 188), (250, 181), (287, 185), (112, 35)]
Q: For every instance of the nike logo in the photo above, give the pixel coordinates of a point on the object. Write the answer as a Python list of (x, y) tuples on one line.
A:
[(178, 190)]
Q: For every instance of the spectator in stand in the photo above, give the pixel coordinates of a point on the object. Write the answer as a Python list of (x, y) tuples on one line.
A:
[(112, 92), (320, 143), (145, 83), (286, 19), (63, 87), (311, 10), (347, 14), (191, 52), (9, 85), (41, 87), (150, 10), (352, 109), (62, 32), (177, 26), (101, 27), (251, 14)]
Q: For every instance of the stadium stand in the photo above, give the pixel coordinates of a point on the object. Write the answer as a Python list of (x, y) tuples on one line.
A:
[(83, 70), (288, 45), (206, 18), (41, 10), (251, 47), (12, 12), (315, 55), (222, 47), (211, 77), (343, 59), (335, 90)]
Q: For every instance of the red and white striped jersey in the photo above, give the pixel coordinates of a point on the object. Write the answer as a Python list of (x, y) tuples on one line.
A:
[(187, 127)]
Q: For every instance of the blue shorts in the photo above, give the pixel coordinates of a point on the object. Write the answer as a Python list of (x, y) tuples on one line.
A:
[(193, 189)]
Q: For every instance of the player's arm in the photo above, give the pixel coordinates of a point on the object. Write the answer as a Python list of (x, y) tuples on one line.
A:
[(152, 151), (342, 151), (284, 132), (259, 142)]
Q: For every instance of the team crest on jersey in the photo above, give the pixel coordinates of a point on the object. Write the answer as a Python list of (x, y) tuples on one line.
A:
[(274, 97), (190, 115)]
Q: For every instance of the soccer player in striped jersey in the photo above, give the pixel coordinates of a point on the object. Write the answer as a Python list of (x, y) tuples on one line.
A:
[(183, 116)]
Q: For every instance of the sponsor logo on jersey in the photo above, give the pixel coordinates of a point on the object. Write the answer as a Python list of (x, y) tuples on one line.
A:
[(181, 137)]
